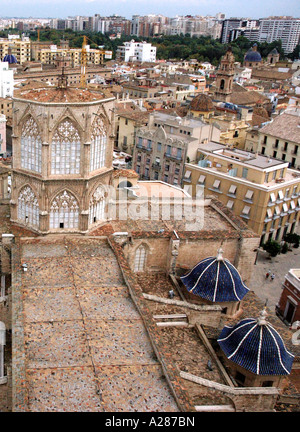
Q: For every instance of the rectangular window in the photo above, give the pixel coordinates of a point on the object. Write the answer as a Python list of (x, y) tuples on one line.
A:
[(230, 204), (187, 175), (246, 211), (232, 190), (245, 172), (216, 184), (280, 195), (201, 179), (249, 195), (159, 147)]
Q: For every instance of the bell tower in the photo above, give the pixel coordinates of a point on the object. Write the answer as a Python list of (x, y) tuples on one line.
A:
[(225, 76)]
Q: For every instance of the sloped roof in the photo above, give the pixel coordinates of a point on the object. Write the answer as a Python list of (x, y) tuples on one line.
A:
[(285, 127)]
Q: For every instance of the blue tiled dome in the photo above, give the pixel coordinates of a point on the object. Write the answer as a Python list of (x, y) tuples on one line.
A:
[(253, 55), (256, 346), (10, 58), (215, 279)]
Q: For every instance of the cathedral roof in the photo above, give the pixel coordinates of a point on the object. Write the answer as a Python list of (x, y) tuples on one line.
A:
[(59, 95), (256, 346), (202, 102), (215, 279)]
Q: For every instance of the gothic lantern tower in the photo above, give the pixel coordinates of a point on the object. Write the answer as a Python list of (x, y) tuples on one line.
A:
[(62, 146), (225, 76)]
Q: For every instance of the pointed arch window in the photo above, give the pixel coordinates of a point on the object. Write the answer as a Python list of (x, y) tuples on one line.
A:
[(31, 146), (98, 145), (140, 259), (64, 211), (97, 206), (28, 207), (65, 149)]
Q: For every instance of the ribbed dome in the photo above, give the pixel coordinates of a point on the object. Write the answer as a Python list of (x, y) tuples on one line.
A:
[(202, 102), (253, 55), (256, 346), (10, 58), (215, 279)]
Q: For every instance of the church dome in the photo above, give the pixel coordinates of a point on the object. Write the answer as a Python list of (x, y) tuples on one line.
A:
[(253, 55), (215, 279), (10, 58), (202, 103), (256, 346)]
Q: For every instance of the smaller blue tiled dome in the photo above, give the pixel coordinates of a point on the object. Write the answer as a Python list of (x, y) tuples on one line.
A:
[(256, 346), (215, 279), (253, 55), (10, 58)]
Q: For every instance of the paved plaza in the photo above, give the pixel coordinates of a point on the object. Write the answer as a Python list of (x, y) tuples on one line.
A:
[(280, 265)]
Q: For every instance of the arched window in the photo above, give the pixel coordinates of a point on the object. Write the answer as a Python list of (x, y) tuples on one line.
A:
[(97, 206), (31, 146), (65, 149), (98, 145), (2, 345), (140, 259), (222, 84), (28, 207), (64, 211)]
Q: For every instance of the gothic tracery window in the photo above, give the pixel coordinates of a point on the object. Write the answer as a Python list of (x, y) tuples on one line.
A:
[(28, 207), (140, 259), (98, 145), (97, 205), (65, 149), (64, 211), (31, 146)]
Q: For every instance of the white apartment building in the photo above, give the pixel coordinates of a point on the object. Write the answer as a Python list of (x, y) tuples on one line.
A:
[(285, 29), (6, 80), (136, 51)]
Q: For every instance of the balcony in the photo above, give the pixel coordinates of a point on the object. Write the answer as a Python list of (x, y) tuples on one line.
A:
[(156, 166), (169, 155), (284, 149)]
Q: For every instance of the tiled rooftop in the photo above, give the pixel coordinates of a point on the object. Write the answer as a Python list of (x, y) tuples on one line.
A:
[(85, 345)]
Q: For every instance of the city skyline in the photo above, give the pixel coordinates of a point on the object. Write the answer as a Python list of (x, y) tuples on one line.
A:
[(127, 8)]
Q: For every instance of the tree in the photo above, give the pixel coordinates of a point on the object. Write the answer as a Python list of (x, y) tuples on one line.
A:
[(272, 247), (292, 238)]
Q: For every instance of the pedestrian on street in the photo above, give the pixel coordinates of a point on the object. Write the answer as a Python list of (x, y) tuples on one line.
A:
[(267, 275), (272, 276)]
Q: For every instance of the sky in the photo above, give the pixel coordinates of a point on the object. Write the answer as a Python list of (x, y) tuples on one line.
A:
[(127, 8)]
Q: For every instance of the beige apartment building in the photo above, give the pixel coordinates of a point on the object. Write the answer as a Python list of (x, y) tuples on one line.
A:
[(49, 55), (127, 124), (167, 143), (281, 138), (20, 48), (263, 191)]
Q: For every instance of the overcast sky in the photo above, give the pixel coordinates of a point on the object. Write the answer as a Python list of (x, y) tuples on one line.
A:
[(127, 8)]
